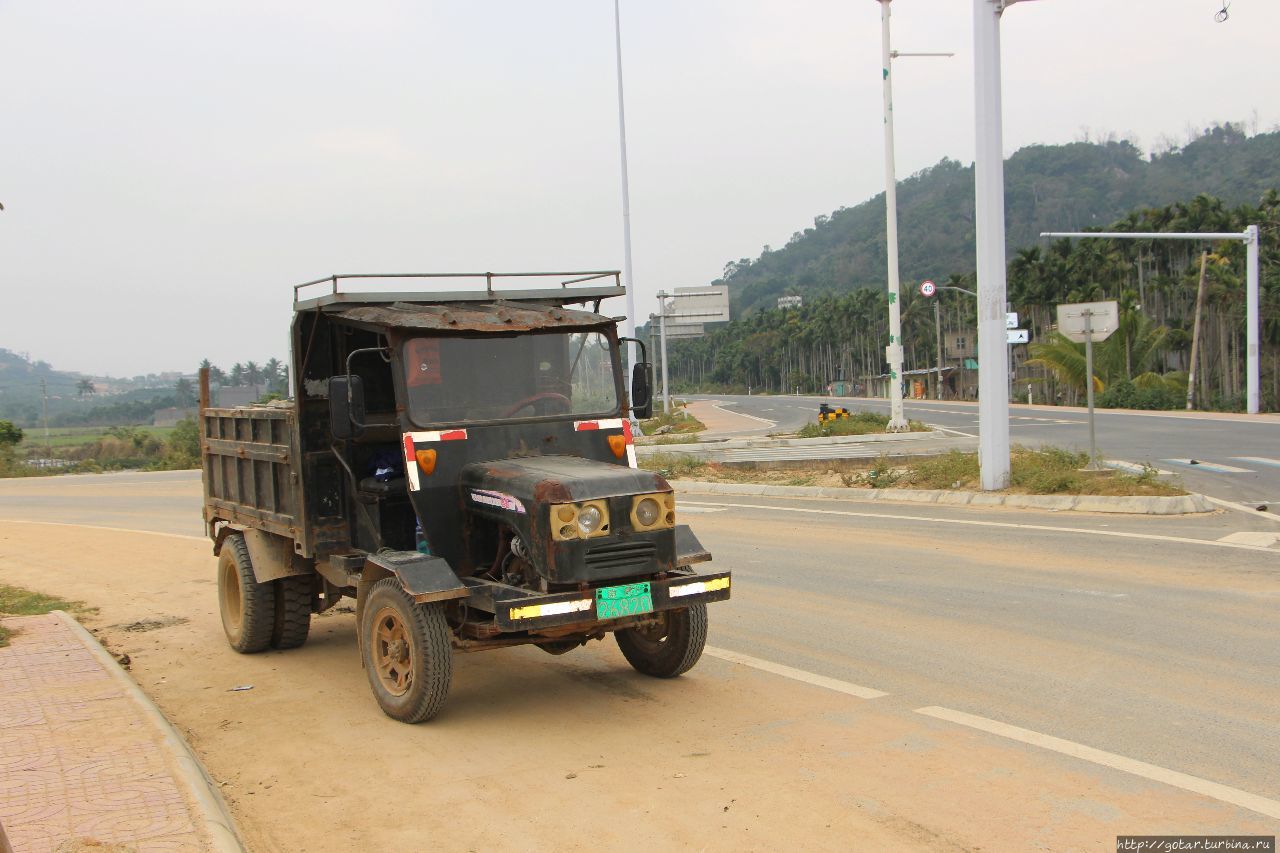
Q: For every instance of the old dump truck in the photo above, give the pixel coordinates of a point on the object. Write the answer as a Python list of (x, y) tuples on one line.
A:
[(461, 464)]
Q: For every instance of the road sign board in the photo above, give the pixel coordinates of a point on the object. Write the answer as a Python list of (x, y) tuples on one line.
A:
[(1103, 319), (1018, 336), (1011, 320), (699, 304), (928, 288)]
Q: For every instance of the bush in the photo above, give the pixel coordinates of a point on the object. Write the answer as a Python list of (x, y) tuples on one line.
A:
[(1126, 395), (858, 423)]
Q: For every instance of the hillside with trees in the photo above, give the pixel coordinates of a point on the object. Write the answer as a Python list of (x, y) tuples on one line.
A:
[(842, 328), (1047, 188)]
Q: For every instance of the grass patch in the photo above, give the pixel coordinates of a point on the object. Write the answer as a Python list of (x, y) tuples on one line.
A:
[(858, 423), (678, 419), (677, 438), (674, 466), (16, 601), (1044, 471)]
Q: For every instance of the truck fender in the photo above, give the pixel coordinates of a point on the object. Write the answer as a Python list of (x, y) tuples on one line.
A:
[(422, 576), (688, 549), (271, 555)]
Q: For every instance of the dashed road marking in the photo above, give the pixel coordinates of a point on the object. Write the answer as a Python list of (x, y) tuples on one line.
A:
[(1260, 538), (1216, 467), (1187, 782), (796, 674), (1259, 460)]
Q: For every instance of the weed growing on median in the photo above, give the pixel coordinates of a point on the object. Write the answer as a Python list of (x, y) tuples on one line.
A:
[(858, 423), (16, 601)]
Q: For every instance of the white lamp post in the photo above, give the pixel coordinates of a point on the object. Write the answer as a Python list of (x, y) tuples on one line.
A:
[(893, 352), (626, 193)]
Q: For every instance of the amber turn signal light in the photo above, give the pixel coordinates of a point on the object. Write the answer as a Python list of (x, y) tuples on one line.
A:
[(426, 460), (618, 444)]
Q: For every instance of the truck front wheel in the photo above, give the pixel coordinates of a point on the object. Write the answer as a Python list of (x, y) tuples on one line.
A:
[(248, 607), (670, 647), (408, 652)]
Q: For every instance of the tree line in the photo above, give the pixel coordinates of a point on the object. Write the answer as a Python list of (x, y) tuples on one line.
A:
[(843, 336)]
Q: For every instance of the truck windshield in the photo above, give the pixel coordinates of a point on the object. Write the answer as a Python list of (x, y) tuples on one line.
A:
[(465, 380)]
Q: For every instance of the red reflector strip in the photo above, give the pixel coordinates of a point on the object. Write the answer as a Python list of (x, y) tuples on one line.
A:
[(432, 435), (409, 457), (608, 423), (626, 430)]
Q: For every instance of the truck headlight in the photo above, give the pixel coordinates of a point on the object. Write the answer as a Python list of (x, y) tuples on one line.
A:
[(589, 520), (579, 521), (653, 512)]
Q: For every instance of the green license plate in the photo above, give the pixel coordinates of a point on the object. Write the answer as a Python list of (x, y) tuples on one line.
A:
[(632, 599)]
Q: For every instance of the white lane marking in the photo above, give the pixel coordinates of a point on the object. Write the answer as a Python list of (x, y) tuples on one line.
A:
[(743, 414), (796, 674), (684, 507), (1009, 525), (1216, 467), (1250, 537), (1194, 784), (1132, 467), (103, 527), (952, 431), (1259, 460), (1242, 508)]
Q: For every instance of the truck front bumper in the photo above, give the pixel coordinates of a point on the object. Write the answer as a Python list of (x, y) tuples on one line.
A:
[(604, 603)]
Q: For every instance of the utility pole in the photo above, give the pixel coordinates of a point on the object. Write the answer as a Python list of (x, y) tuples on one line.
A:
[(662, 328), (893, 352), (937, 326), (44, 393), (1195, 335)]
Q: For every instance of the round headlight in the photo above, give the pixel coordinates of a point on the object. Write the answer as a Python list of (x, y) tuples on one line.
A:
[(647, 512), (589, 520)]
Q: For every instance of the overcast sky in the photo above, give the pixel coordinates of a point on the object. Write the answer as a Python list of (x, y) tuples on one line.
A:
[(170, 169)]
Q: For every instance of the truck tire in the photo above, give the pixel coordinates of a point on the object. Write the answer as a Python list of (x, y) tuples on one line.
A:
[(670, 648), (408, 652), (248, 607), (292, 620)]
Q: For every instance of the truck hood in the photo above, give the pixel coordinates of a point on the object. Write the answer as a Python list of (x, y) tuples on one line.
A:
[(542, 480)]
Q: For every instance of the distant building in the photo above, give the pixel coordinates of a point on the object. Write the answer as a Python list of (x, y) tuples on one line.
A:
[(785, 302), (230, 396)]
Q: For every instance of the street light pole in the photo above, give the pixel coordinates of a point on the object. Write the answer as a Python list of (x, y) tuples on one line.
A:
[(893, 352), (626, 192), (993, 356), (1249, 236)]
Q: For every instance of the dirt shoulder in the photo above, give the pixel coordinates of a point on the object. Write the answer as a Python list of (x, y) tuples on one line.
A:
[(568, 753)]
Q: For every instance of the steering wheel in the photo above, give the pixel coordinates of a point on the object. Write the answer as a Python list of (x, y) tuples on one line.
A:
[(538, 398)]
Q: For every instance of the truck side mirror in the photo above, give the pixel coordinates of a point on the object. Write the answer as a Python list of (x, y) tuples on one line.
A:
[(641, 396), (346, 406)]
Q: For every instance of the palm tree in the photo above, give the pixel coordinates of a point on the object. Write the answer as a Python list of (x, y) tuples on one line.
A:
[(86, 386)]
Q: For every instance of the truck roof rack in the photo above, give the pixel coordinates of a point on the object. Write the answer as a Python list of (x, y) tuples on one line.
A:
[(555, 287)]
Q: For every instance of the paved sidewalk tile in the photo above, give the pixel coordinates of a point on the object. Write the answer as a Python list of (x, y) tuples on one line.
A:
[(79, 764)]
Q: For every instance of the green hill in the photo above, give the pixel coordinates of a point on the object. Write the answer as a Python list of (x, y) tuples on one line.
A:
[(1047, 188)]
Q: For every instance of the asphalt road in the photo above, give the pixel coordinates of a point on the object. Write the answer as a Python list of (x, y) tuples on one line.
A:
[(1238, 457), (1150, 639)]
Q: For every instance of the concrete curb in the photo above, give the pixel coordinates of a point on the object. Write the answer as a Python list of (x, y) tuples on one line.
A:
[(1139, 505), (210, 807)]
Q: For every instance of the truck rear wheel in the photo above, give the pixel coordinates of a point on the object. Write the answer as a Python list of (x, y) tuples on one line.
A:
[(670, 647), (292, 620), (247, 607), (408, 652)]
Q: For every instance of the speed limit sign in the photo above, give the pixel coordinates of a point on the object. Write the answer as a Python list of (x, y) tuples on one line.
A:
[(928, 288)]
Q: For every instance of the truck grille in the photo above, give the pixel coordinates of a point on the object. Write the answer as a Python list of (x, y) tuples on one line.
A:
[(613, 556)]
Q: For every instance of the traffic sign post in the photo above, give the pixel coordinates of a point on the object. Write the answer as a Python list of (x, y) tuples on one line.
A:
[(1086, 322)]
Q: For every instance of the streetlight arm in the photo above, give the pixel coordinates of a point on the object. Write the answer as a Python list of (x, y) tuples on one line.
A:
[(961, 289)]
